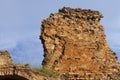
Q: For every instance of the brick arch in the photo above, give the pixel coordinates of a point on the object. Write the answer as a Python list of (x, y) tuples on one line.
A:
[(10, 71), (18, 72), (12, 77)]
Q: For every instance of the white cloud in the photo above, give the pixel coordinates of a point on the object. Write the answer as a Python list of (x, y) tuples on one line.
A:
[(27, 52)]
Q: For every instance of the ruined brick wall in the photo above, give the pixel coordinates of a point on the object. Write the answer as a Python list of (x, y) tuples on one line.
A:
[(5, 58), (74, 42), (9, 71)]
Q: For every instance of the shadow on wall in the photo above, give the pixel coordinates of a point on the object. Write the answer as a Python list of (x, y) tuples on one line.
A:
[(12, 77)]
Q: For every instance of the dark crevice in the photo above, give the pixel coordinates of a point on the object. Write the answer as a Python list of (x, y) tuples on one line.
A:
[(63, 49), (12, 77)]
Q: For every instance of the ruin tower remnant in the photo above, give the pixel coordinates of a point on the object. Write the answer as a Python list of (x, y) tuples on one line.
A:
[(5, 58), (74, 42)]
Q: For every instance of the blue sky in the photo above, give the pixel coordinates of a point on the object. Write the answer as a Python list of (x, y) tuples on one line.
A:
[(20, 22)]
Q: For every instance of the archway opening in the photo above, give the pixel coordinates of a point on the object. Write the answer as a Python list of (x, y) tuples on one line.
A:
[(12, 77)]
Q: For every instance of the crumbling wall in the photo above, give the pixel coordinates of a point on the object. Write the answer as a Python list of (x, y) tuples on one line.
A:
[(74, 42), (5, 59), (9, 71)]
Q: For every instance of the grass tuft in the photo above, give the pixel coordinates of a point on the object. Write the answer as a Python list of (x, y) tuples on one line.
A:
[(49, 71)]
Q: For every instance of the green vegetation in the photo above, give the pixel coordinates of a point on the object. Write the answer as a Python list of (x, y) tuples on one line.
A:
[(66, 76), (27, 65), (48, 71)]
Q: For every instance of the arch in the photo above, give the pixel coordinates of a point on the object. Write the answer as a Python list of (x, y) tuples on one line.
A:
[(12, 77)]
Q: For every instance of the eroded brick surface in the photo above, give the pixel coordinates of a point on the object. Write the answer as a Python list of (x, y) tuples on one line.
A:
[(74, 42)]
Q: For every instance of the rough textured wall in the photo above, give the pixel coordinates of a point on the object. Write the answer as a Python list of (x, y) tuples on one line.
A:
[(5, 59), (74, 42)]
